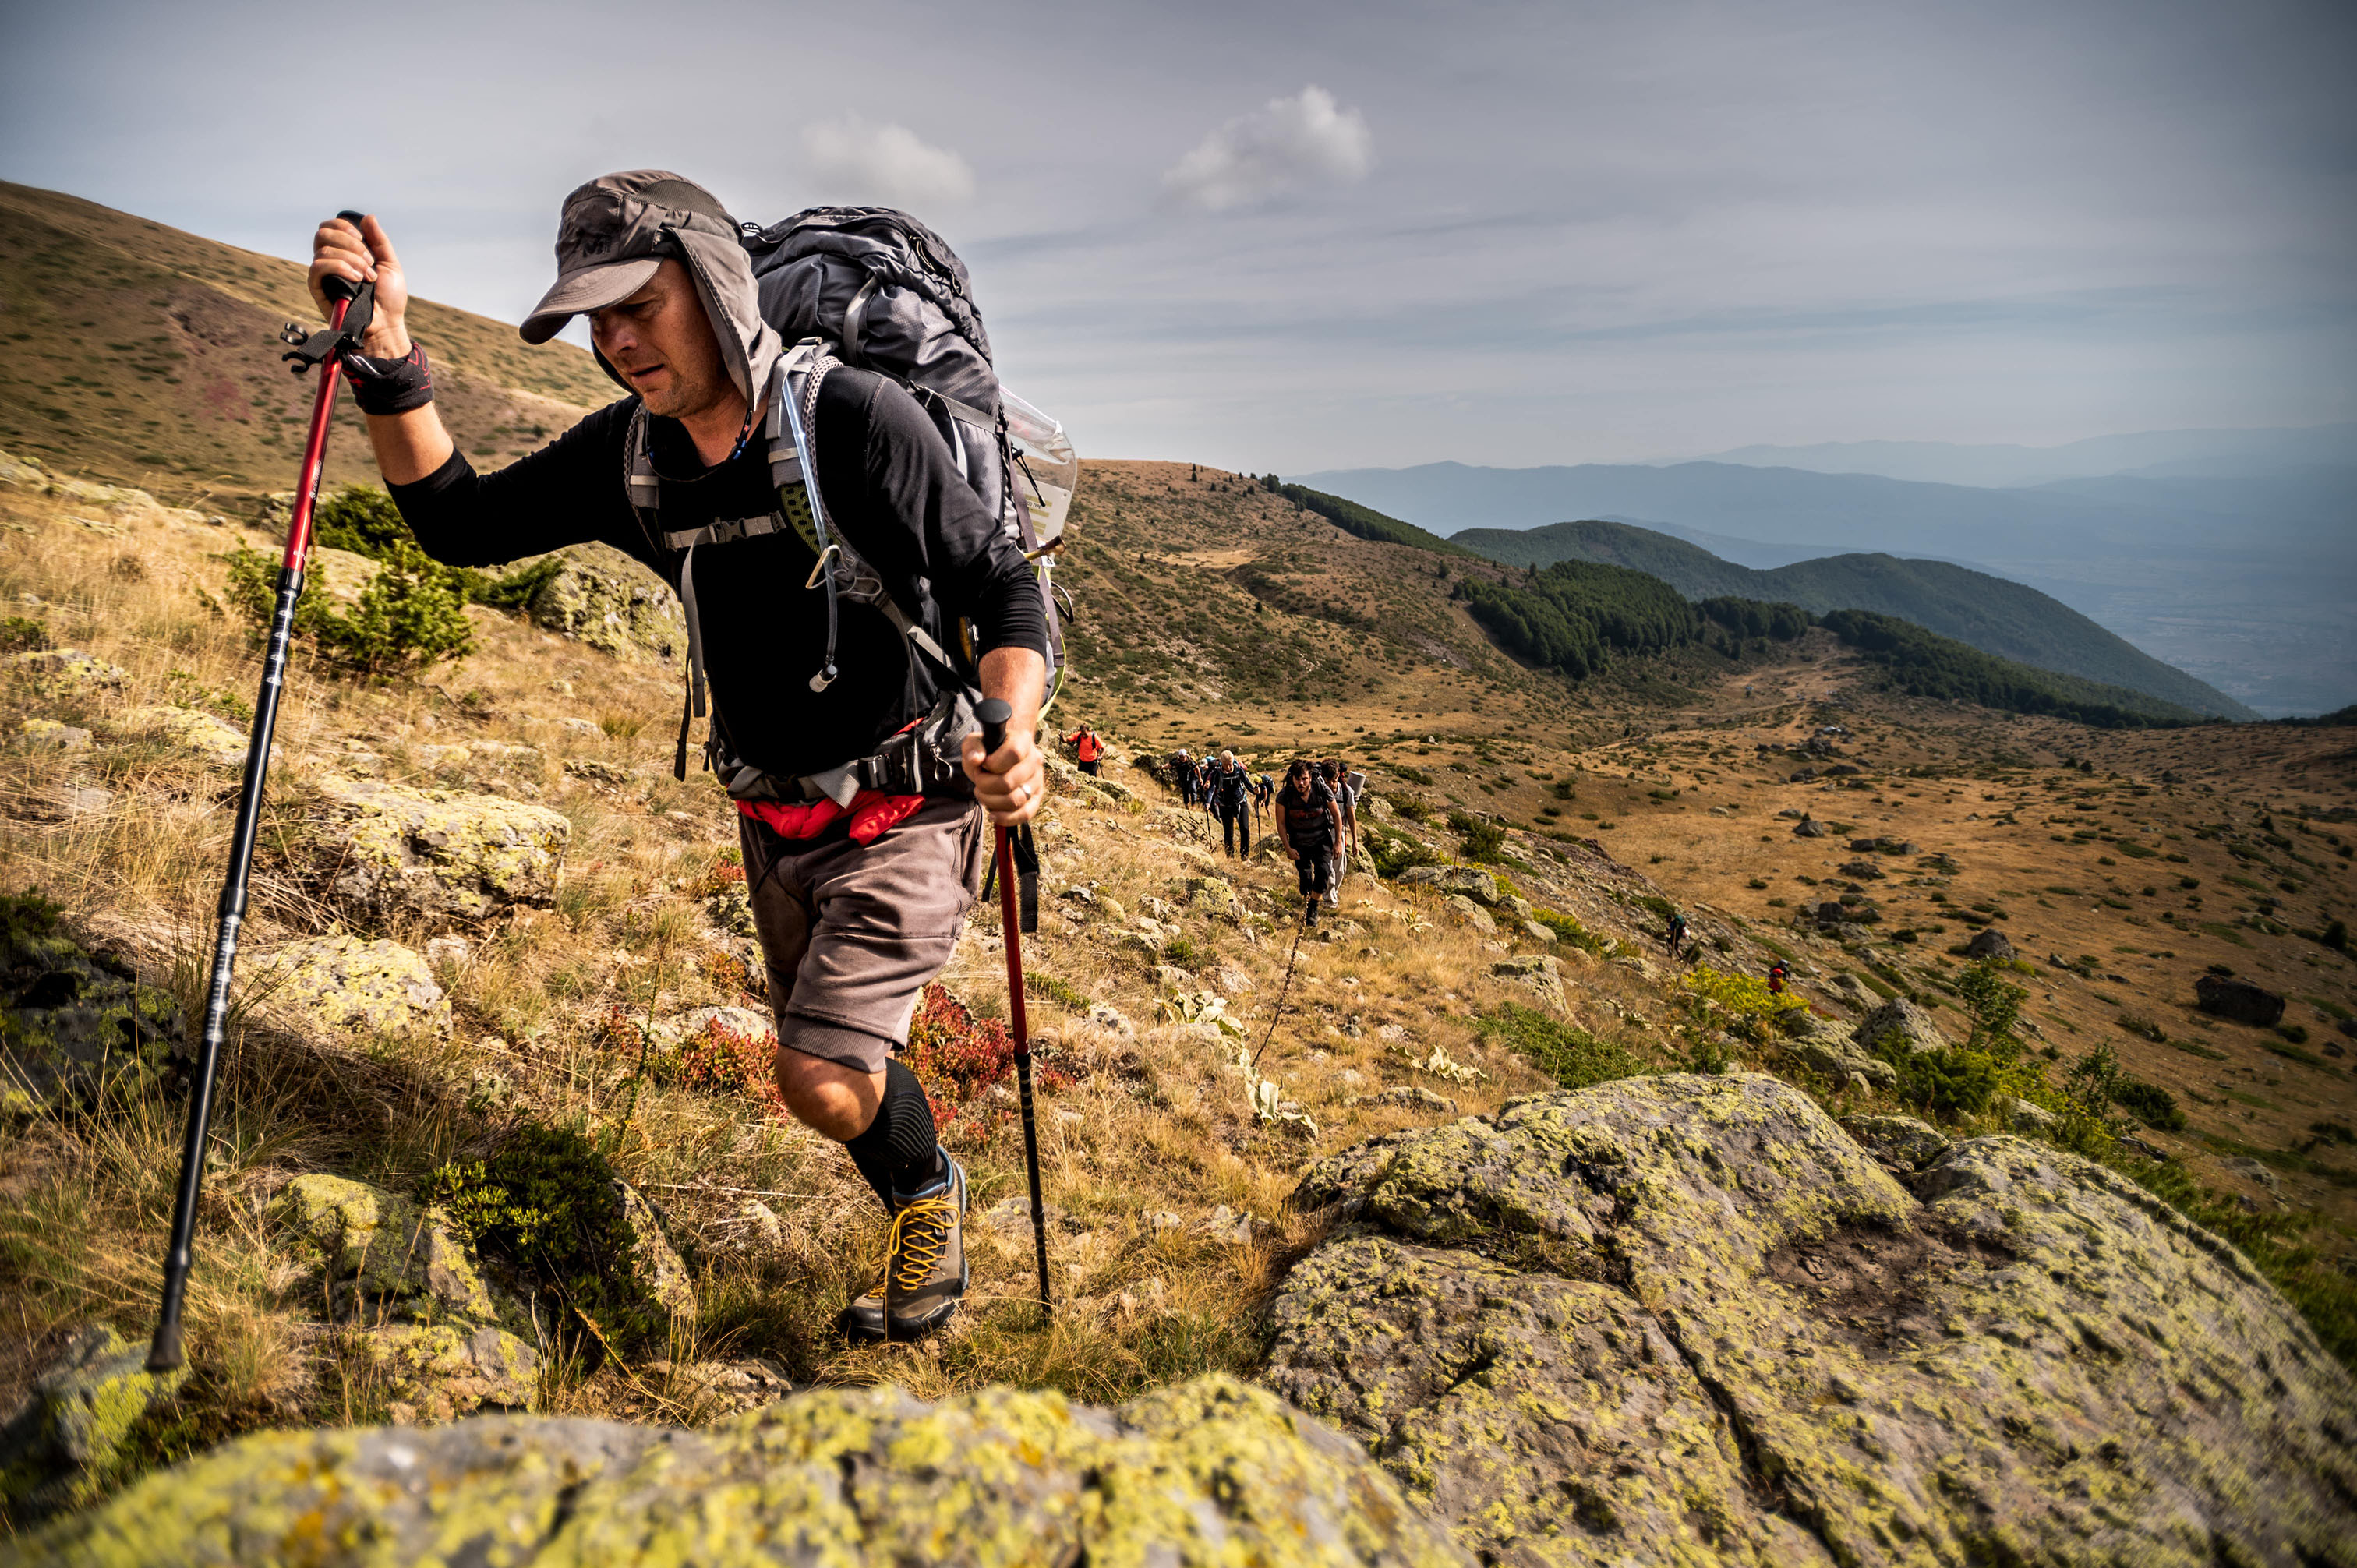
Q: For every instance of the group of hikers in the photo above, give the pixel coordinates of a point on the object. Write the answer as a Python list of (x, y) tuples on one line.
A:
[(1314, 811)]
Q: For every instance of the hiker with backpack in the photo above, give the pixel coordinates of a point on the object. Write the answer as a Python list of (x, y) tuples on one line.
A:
[(1231, 797), (1182, 776), (1087, 749), (822, 524), (1676, 937), (1311, 822), (1776, 974), (1338, 777)]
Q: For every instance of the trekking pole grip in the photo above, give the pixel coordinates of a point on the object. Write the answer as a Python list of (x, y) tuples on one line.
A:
[(343, 288), (996, 714)]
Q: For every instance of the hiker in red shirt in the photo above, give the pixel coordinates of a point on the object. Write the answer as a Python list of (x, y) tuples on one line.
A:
[(1087, 747)]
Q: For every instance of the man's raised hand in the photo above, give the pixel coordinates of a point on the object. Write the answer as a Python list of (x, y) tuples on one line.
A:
[(358, 255)]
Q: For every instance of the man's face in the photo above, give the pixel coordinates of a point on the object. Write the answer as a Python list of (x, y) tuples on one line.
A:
[(660, 342)]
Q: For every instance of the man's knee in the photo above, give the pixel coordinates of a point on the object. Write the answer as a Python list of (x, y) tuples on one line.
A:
[(831, 1099)]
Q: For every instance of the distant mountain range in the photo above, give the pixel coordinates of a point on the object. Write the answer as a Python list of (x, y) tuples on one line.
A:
[(2246, 583), (2152, 453), (1985, 612)]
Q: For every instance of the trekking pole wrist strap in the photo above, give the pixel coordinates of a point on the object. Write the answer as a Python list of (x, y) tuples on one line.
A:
[(391, 386)]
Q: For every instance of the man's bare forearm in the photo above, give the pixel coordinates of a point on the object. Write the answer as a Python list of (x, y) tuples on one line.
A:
[(409, 446)]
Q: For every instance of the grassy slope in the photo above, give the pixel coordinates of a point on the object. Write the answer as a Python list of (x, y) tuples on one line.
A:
[(1990, 613), (137, 353)]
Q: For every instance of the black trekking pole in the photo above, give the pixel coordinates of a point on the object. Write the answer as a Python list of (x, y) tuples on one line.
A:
[(354, 311), (994, 714)]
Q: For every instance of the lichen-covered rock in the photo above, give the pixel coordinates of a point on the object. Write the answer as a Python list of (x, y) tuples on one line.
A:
[(1469, 912), (344, 983), (1211, 1472), (57, 1448), (1899, 1023), (1210, 896), (604, 598), (383, 1255), (52, 735), (1462, 880), (657, 1272), (217, 742), (440, 1371), (385, 852), (66, 671), (1903, 1144), (73, 1022), (1835, 1060), (2024, 1358)]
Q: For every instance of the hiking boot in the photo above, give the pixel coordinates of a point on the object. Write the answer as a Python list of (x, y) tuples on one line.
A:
[(922, 1276), (1310, 918)]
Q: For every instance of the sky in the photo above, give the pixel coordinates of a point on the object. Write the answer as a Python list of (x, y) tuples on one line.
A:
[(1303, 236)]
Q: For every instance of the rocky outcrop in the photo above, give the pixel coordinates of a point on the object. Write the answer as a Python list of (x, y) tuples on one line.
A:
[(382, 1254), (1462, 880), (1898, 1025), (74, 1022), (1711, 1328), (2238, 1000), (57, 1449), (1211, 1472), (1989, 943), (602, 597), (385, 852), (340, 984), (216, 742), (66, 671)]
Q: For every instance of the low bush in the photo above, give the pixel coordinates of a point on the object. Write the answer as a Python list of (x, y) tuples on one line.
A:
[(2150, 1105), (408, 617), (1572, 1056), (1752, 1010)]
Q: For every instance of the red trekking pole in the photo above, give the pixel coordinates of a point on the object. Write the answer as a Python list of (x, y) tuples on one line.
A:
[(355, 308), (994, 714)]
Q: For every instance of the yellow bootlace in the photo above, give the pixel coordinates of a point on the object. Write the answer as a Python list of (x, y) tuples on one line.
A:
[(911, 1251)]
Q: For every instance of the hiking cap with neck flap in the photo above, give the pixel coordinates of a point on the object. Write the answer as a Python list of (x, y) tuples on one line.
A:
[(615, 232)]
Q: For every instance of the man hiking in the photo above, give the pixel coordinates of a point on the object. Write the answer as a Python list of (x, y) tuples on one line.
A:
[(1182, 776), (858, 886), (1676, 937), (1232, 799), (1346, 843), (1087, 749), (1312, 824), (1776, 974)]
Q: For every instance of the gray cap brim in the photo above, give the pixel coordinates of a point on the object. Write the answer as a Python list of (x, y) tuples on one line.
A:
[(590, 288)]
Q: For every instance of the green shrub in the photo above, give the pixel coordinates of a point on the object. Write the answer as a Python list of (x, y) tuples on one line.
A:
[(362, 519), (1053, 988), (1480, 840), (18, 633), (1572, 1056), (1568, 931), (1752, 1010), (2149, 1103), (547, 1207), (408, 617), (1393, 852), (1955, 1082)]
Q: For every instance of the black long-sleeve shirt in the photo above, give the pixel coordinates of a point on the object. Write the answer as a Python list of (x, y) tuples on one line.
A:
[(891, 488)]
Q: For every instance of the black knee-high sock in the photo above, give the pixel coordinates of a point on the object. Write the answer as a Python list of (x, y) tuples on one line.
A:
[(899, 1151)]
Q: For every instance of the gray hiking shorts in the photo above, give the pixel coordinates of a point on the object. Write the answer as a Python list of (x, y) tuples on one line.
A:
[(851, 934)]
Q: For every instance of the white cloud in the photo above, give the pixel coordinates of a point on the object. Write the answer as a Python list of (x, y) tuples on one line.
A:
[(852, 160), (1302, 140)]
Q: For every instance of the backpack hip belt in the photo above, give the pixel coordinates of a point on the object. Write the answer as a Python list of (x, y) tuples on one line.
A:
[(919, 760)]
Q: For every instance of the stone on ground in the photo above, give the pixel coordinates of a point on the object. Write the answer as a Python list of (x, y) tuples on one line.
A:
[(602, 597), (1211, 1472), (2238, 1000), (1989, 943), (386, 853), (339, 983), (57, 1449), (1714, 1330), (66, 671), (75, 1023), (217, 742), (1901, 1024)]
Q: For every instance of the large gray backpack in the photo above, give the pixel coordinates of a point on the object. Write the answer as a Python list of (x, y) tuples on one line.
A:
[(884, 292)]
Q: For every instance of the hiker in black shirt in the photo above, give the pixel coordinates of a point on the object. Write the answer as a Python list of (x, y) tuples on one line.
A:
[(1312, 825), (858, 890), (1232, 799)]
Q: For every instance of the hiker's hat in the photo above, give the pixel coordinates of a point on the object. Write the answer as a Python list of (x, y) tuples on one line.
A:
[(616, 231)]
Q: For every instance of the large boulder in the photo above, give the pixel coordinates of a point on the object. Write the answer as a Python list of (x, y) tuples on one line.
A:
[(1989, 943), (339, 983), (1211, 1472), (1898, 1025), (604, 598), (385, 852), (57, 1447), (1686, 1319), (1463, 881), (2238, 1000), (74, 1021)]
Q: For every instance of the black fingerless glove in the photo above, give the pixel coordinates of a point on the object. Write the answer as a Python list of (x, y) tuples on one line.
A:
[(391, 386)]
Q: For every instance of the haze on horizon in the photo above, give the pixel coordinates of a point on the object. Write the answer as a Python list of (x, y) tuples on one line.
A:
[(1321, 236)]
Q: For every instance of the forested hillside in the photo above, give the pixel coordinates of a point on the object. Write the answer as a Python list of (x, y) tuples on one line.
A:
[(1989, 613)]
